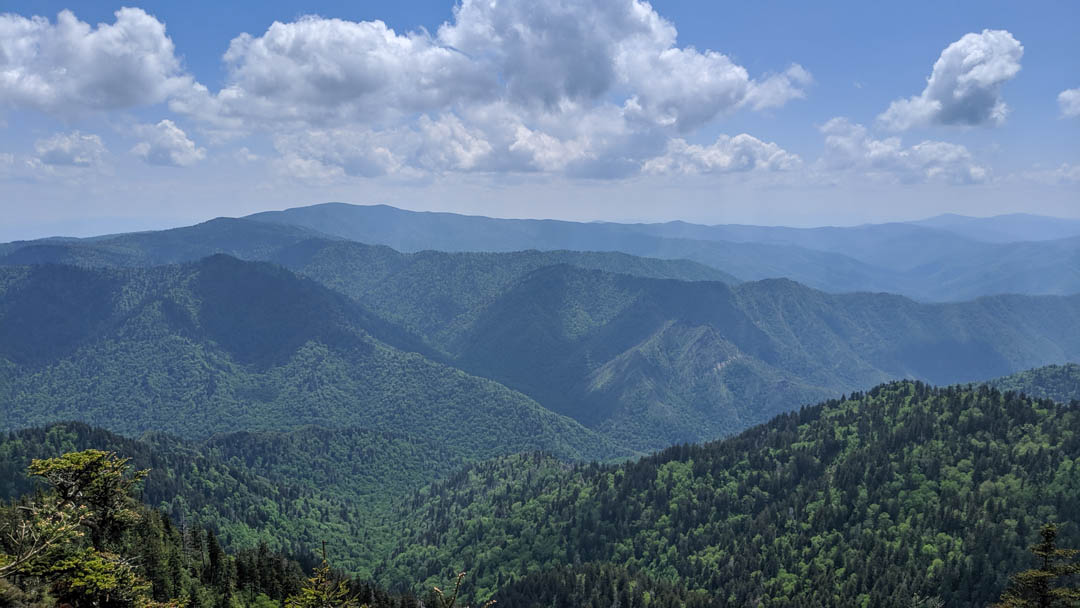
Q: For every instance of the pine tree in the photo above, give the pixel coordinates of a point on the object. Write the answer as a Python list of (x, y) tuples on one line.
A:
[(323, 590), (1045, 586)]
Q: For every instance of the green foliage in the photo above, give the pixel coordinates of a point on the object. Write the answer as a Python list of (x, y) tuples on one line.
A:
[(88, 492), (1058, 382), (47, 557), (288, 491), (97, 480), (440, 599), (598, 586), (323, 590), (225, 345), (903, 492), (461, 341), (1045, 586)]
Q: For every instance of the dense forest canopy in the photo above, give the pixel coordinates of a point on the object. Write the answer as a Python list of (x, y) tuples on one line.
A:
[(905, 491), (583, 362)]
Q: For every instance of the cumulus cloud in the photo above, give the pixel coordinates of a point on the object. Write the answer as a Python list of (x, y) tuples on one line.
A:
[(1069, 101), (850, 148), (338, 152), (448, 144), (69, 68), (548, 56), (73, 149), (556, 53), (315, 70), (166, 144), (727, 154), (965, 85), (591, 89)]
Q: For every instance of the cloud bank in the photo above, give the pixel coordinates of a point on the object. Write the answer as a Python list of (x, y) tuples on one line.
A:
[(849, 147), (596, 90), (590, 89)]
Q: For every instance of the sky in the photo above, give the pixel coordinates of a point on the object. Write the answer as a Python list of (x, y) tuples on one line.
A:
[(155, 114)]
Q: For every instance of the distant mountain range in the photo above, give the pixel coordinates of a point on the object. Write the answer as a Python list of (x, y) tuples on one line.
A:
[(583, 355), (223, 345), (1011, 228), (945, 260), (948, 258), (299, 376), (607, 353)]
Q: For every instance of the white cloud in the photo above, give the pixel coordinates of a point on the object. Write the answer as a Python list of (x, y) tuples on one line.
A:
[(553, 52), (167, 144), (339, 152), (850, 148), (73, 149), (315, 70), (69, 68), (589, 89), (965, 85), (728, 154), (1069, 101), (776, 90), (447, 144), (1064, 174)]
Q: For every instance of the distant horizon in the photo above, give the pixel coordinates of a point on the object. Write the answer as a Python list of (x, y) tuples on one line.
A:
[(96, 227), (146, 115)]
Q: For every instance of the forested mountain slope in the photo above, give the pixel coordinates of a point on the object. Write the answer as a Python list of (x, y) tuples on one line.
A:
[(643, 362), (238, 238), (438, 294), (224, 345), (1058, 382), (296, 247), (922, 262), (287, 491), (925, 263), (653, 362), (905, 490), (901, 491)]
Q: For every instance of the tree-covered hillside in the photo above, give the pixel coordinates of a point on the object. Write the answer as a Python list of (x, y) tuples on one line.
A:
[(82, 540), (902, 491), (1058, 382), (238, 238), (438, 294), (287, 491), (653, 362), (224, 345), (921, 262), (643, 362)]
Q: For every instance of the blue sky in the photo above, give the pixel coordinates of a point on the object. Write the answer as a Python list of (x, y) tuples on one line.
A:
[(767, 112)]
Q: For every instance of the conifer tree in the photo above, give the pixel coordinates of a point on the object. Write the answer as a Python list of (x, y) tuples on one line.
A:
[(1046, 586), (323, 590)]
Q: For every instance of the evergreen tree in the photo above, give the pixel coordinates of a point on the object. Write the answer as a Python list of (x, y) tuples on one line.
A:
[(323, 590), (1045, 586)]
